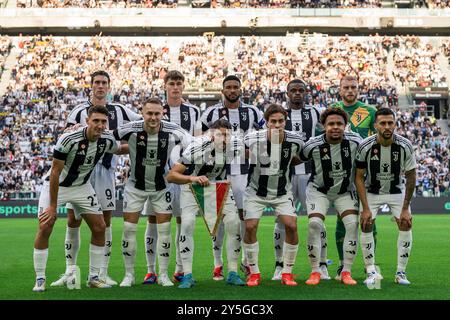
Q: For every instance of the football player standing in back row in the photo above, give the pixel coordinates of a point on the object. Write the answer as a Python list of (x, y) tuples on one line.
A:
[(304, 120), (187, 116), (243, 119), (151, 143), (385, 157), (102, 179), (361, 120)]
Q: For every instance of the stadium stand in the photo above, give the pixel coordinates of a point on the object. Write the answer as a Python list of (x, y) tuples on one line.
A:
[(51, 75)]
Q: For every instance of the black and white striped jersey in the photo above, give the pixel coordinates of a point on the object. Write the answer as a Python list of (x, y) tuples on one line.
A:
[(385, 165), (118, 116), (303, 121), (203, 158), (186, 116), (270, 162), (81, 155), (243, 119), (150, 153), (333, 165)]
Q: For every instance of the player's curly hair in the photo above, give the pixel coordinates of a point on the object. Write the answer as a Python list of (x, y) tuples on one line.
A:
[(330, 111)]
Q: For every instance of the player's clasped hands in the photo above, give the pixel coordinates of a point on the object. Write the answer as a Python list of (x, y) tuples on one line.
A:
[(201, 180), (48, 216)]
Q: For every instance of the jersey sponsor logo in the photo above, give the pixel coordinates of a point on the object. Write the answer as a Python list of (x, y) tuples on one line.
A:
[(89, 160), (395, 155), (385, 167), (235, 126), (151, 154), (297, 126), (337, 165)]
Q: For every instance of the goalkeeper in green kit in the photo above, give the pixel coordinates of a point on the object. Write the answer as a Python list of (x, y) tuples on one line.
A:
[(361, 120)]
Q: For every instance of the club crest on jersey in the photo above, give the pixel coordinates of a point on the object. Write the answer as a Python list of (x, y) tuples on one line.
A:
[(395, 155), (285, 153), (101, 147), (346, 152), (358, 117), (112, 115), (185, 115), (163, 143), (306, 114), (244, 116)]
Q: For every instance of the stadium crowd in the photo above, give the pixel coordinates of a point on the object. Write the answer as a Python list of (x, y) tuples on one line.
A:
[(267, 67), (5, 47), (51, 75), (97, 3), (416, 64)]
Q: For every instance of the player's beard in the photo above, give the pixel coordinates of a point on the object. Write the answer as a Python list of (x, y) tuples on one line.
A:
[(351, 102), (232, 100)]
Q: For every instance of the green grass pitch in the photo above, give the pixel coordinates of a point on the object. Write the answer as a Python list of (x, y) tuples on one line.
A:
[(428, 268)]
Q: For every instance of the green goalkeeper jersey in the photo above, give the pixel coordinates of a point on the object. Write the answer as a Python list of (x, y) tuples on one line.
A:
[(361, 117)]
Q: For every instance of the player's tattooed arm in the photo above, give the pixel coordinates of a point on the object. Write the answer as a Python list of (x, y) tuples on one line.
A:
[(405, 221), (410, 186)]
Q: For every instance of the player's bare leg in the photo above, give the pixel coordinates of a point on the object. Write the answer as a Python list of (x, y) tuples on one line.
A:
[(131, 220)]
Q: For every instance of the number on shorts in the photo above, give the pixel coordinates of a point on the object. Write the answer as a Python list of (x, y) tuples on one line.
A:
[(92, 200), (168, 197), (108, 194)]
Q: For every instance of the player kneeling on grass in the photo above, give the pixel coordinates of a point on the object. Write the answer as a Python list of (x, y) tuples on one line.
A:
[(380, 161), (206, 159), (333, 156), (75, 156), (271, 153)]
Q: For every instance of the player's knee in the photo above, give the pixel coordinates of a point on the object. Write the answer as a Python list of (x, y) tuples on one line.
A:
[(315, 225), (291, 226), (350, 223), (99, 228), (72, 222), (232, 224), (251, 227), (45, 231), (187, 225)]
